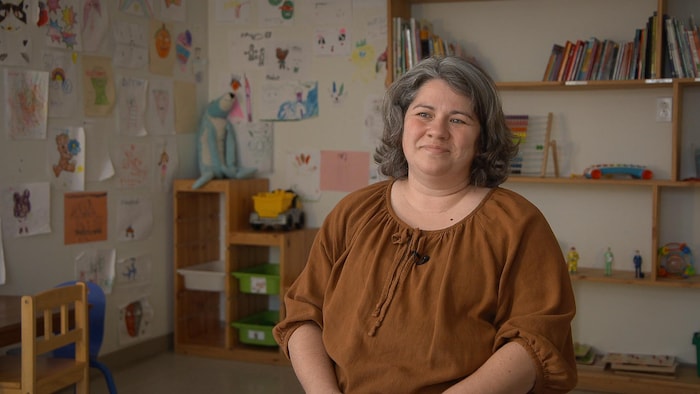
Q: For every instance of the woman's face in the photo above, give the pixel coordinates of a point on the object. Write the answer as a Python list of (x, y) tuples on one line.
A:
[(440, 133)]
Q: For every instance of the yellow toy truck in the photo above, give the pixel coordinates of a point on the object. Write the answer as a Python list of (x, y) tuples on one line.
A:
[(277, 209)]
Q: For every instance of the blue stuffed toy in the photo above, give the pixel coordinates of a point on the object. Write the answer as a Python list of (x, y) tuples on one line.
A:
[(216, 144)]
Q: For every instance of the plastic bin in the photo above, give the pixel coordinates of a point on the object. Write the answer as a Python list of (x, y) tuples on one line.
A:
[(208, 276), (257, 329), (259, 279)]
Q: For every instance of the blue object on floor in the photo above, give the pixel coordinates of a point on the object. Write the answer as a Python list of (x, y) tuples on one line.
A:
[(96, 313)]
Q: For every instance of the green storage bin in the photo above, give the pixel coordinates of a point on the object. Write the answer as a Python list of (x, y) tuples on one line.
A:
[(259, 279), (257, 329)]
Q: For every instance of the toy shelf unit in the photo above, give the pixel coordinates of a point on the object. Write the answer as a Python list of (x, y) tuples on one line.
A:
[(212, 242)]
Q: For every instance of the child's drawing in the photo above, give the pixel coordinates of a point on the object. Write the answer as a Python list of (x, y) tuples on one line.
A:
[(332, 41), (98, 86), (135, 321), (255, 145), (67, 157), (63, 82), (276, 13), (84, 217), (15, 37), (131, 106), (161, 48), (26, 209), (303, 173), (134, 270), (131, 45), (291, 62), (137, 7), (294, 100), (26, 98), (165, 150), (95, 24), (134, 218), (173, 10), (133, 164), (63, 28), (160, 117), (96, 266), (234, 11)]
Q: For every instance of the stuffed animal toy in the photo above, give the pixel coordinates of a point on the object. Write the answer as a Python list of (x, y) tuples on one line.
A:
[(216, 144)]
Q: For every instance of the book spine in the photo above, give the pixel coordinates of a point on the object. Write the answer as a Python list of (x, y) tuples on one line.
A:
[(676, 70)]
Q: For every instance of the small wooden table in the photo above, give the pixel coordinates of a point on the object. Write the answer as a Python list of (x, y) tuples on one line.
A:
[(10, 320)]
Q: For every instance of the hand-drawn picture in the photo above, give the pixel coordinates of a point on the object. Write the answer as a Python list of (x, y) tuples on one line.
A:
[(364, 58), (134, 270), (84, 217), (63, 28), (252, 49), (338, 92), (330, 41), (161, 53), (134, 218), (131, 106), (66, 157), (291, 61), (183, 49), (234, 11), (303, 174), (95, 24), (344, 171), (131, 45), (137, 7), (26, 209), (98, 86), (276, 13), (293, 100), (97, 266), (160, 117), (26, 108), (256, 145), (173, 10), (135, 321), (165, 150), (63, 83), (15, 37), (132, 164)]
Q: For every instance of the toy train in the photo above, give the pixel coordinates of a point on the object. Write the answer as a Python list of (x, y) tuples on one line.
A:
[(611, 170)]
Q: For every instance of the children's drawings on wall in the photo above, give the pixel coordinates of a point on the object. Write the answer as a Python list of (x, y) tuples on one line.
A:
[(98, 86), (63, 82), (251, 49), (303, 173), (364, 57), (134, 218), (66, 155), (137, 7), (166, 162), (134, 270), (15, 37), (160, 117), (291, 61), (332, 41), (26, 103), (131, 106), (344, 171), (132, 164), (183, 49), (63, 29), (135, 321), (96, 266), (84, 217), (332, 12), (292, 100), (338, 92), (173, 10), (94, 24), (276, 13), (255, 141), (98, 165), (131, 45), (26, 209), (233, 11), (161, 54)]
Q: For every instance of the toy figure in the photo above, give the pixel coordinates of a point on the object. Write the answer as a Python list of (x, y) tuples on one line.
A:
[(216, 144), (638, 265), (609, 258), (572, 259)]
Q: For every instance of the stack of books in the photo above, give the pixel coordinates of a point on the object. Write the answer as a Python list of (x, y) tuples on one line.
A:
[(601, 60), (657, 366)]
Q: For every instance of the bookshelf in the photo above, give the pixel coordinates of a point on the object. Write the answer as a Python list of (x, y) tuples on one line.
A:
[(652, 212)]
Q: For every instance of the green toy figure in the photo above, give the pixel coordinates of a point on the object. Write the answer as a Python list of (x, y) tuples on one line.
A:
[(572, 258), (609, 259)]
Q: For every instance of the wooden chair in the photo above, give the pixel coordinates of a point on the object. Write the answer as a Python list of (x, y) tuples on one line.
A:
[(36, 371)]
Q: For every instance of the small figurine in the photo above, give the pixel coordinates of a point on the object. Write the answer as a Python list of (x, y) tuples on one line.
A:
[(638, 265), (609, 259), (572, 259)]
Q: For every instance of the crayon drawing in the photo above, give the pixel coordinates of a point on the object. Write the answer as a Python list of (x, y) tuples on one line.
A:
[(131, 106), (132, 164), (133, 270), (63, 82), (84, 217), (26, 98), (63, 28), (96, 266), (135, 321), (15, 33), (95, 24), (26, 209), (134, 218), (66, 155), (293, 100)]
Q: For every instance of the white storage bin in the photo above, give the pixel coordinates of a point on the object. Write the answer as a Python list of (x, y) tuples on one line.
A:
[(208, 276)]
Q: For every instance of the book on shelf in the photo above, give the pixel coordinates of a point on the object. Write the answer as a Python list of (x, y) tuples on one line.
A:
[(566, 60), (553, 63)]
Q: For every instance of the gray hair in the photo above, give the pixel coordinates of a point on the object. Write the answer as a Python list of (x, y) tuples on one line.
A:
[(496, 144)]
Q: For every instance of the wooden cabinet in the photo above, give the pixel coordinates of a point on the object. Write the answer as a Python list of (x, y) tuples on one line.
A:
[(211, 225), (512, 40)]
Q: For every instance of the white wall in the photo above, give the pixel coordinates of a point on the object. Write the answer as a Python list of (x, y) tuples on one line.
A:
[(39, 262)]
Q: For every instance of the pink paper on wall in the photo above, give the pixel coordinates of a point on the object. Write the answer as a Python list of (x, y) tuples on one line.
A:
[(344, 171)]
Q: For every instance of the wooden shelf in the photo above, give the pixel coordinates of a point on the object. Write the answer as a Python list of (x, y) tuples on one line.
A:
[(588, 182), (686, 382), (585, 274)]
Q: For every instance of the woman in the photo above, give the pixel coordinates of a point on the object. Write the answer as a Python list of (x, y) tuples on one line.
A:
[(436, 280)]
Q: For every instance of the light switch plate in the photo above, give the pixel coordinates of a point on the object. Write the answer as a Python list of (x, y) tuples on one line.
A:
[(664, 109)]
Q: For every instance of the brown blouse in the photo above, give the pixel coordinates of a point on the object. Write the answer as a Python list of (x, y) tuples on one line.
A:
[(409, 311)]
